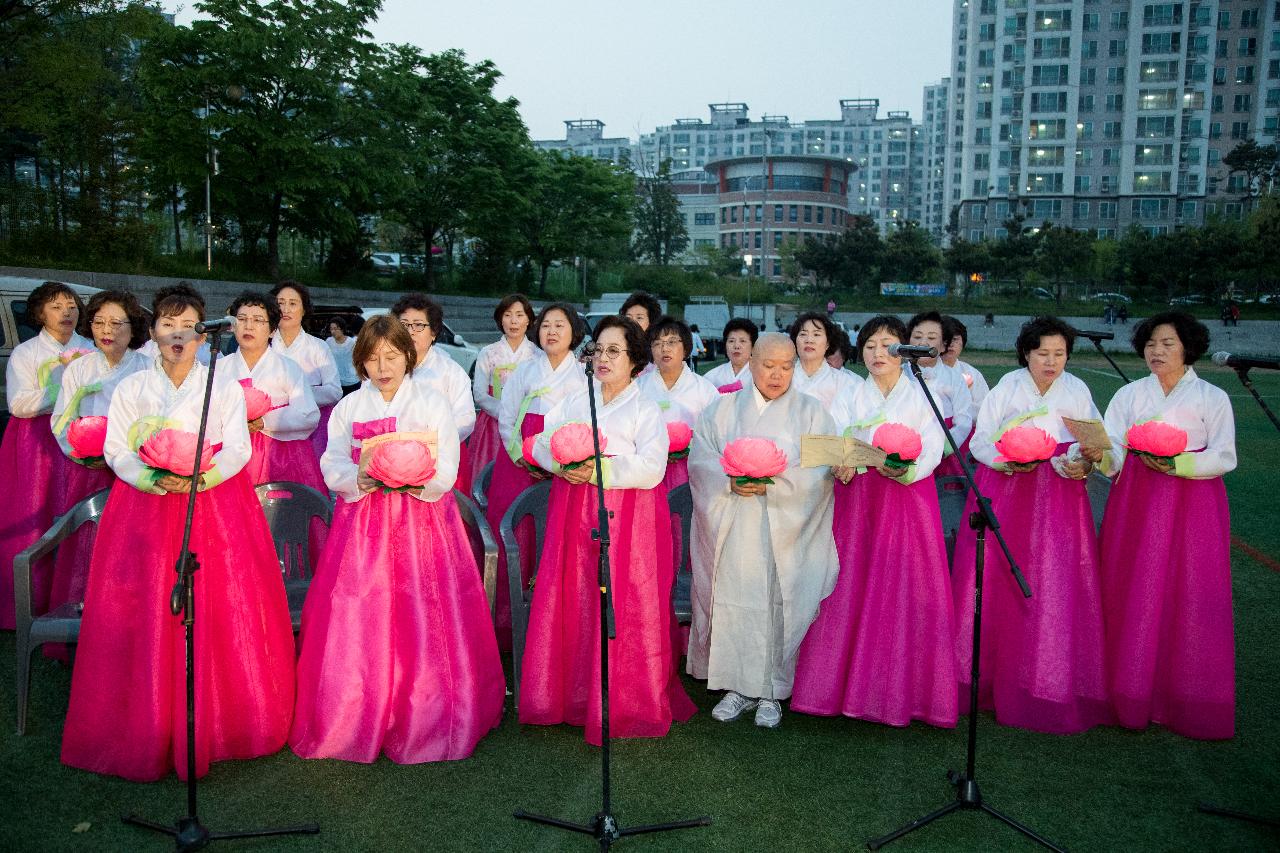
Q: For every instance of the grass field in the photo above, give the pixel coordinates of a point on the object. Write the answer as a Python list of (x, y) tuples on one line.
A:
[(813, 784)]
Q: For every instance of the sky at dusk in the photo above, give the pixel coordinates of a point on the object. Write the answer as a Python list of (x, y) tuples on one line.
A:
[(638, 65)]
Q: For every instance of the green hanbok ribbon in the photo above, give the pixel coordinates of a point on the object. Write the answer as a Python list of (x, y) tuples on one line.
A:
[(73, 406), (514, 447), (496, 380)]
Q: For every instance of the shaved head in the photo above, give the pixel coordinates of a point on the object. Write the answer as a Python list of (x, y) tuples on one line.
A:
[(773, 343), (773, 360)]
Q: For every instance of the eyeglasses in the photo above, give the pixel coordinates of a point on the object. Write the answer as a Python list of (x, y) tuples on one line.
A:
[(252, 321), (416, 327), (611, 353), (667, 343), (113, 325)]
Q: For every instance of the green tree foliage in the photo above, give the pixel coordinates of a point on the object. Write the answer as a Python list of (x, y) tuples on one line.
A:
[(1013, 256), (1062, 254), (850, 261), (909, 255), (1260, 165), (660, 233), (965, 259)]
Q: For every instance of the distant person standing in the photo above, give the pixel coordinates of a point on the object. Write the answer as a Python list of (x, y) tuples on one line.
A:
[(699, 348), (831, 308), (341, 344), (1123, 313)]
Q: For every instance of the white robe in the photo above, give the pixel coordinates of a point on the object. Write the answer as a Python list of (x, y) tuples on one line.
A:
[(33, 376), (978, 387), (951, 393), (762, 565), (416, 408), (537, 387), (88, 384), (683, 401), (151, 394), (722, 374), (1016, 396), (1202, 410), (632, 426), (447, 378), (341, 353), (313, 356), (282, 380), (824, 385), (499, 358), (860, 414)]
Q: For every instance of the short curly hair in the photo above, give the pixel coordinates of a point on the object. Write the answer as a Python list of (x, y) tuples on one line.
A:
[(509, 302), (425, 304), (741, 324), (637, 344), (1033, 330), (304, 293), (128, 303), (570, 313), (43, 295), (829, 328), (672, 326), (887, 322), (647, 301), (931, 317), (253, 299), (383, 327), (1193, 334)]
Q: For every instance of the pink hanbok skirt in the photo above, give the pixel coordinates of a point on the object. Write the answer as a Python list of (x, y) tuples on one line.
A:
[(1166, 574), (484, 443), (36, 473), (320, 438), (950, 465), (560, 678), (127, 715), (1042, 657), (398, 653), (506, 484), (463, 483), (882, 647)]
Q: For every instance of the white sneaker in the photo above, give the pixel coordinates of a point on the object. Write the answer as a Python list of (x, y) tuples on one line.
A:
[(769, 714), (731, 707)]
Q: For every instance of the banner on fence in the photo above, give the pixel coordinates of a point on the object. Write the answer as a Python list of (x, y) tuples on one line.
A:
[(903, 288)]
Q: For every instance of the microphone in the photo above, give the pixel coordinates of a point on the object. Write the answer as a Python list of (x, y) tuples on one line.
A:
[(912, 351), (1244, 362), (589, 349), (219, 325), (1095, 336)]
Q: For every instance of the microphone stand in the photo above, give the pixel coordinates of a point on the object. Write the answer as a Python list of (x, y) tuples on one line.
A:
[(604, 826), (1243, 374), (189, 833), (1097, 344), (968, 795)]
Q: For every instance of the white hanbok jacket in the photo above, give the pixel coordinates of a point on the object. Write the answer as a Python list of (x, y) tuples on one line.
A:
[(88, 384), (494, 367), (316, 360), (860, 414), (33, 376), (535, 388), (283, 380)]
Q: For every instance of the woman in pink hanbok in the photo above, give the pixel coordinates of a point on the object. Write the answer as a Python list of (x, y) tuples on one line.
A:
[(529, 393), (882, 646), (127, 715), (494, 366), (29, 453), (424, 318), (307, 351), (817, 337), (398, 653), (118, 327), (560, 677), (952, 394), (1042, 657), (1166, 540)]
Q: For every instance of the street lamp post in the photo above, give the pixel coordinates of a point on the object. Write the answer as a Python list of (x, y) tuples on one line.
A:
[(233, 92)]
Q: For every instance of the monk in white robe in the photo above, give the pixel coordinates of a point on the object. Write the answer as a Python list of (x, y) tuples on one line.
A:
[(764, 556)]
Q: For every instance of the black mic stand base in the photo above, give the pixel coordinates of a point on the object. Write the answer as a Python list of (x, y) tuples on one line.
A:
[(604, 826), (189, 834), (1209, 808)]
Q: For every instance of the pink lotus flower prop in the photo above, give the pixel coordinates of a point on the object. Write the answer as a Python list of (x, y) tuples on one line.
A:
[(70, 355), (679, 435), (572, 444), (753, 460), (87, 436), (526, 449), (729, 388), (256, 403), (174, 450), (1025, 444), (1157, 438), (900, 442), (401, 465)]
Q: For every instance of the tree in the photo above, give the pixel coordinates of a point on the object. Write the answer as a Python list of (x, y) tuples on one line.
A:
[(849, 261), (723, 260), (576, 206), (661, 233), (1014, 255), (965, 259), (909, 254), (1260, 165), (1061, 254)]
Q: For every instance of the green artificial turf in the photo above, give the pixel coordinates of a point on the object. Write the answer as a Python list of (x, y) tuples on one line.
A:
[(813, 784)]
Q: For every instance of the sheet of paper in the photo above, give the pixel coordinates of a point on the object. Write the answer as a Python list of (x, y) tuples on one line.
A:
[(367, 446), (1089, 432), (833, 450)]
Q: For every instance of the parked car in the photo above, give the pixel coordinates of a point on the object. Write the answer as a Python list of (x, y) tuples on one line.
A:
[(450, 342), (1043, 293), (1270, 299), (15, 326), (1193, 299), (1110, 296), (385, 263)]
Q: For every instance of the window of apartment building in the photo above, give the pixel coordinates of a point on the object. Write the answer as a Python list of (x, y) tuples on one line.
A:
[(1107, 210), (1002, 159), (759, 213), (1273, 98), (1014, 53), (1200, 14), (1224, 49), (1198, 45), (1244, 74), (984, 83), (1153, 155), (822, 215), (1161, 14), (724, 215), (1117, 47), (1224, 20), (1044, 208), (986, 58), (1115, 103), (1110, 156), (1157, 99), (1052, 48), (1086, 104), (1120, 20), (1155, 127), (777, 213), (777, 239), (1104, 233), (1048, 129), (988, 7), (978, 212), (1088, 76), (1012, 78), (982, 110), (1082, 183), (1196, 72), (704, 219), (982, 135), (1192, 127), (1111, 129), (1044, 182), (755, 239), (1048, 102), (981, 162), (1090, 21), (1049, 75), (808, 213), (1220, 75), (1079, 209), (1165, 71), (1187, 210), (1247, 47), (979, 187), (733, 214), (1150, 208), (1084, 130), (1015, 24), (1189, 184), (793, 213), (1053, 20), (987, 32), (1243, 103), (1273, 69), (1248, 19), (976, 235), (1115, 74), (1084, 157), (1216, 103), (1215, 132), (1239, 130), (1053, 155), (1006, 105), (1161, 42)]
